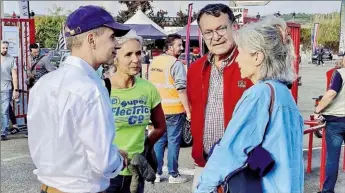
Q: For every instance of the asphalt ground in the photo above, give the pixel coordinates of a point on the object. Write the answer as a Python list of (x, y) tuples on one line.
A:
[(17, 166)]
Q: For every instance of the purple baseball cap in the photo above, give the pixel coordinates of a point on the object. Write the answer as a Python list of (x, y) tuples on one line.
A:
[(90, 17)]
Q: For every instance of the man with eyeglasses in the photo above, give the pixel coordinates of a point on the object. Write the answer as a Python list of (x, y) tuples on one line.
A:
[(214, 83)]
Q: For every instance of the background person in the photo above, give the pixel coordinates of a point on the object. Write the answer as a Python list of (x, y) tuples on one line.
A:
[(169, 76), (331, 109), (39, 65), (9, 77)]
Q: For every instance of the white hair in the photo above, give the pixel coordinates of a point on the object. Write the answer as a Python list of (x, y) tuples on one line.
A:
[(265, 36), (131, 35)]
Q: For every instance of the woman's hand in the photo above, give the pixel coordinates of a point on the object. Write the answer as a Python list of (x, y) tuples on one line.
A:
[(124, 154)]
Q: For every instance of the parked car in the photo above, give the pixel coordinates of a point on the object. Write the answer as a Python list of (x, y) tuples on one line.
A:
[(327, 54), (186, 139), (45, 51), (56, 56), (64, 56)]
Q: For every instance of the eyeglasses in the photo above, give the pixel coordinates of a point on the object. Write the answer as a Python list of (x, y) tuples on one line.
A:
[(220, 32)]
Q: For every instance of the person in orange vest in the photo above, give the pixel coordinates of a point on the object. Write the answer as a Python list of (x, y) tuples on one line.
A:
[(168, 74)]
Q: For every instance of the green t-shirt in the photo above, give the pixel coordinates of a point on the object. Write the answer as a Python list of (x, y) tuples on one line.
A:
[(132, 112)]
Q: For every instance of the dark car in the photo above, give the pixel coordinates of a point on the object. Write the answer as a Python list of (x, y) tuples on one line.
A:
[(56, 56), (326, 55)]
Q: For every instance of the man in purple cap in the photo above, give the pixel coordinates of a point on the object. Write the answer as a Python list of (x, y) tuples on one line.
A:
[(70, 121)]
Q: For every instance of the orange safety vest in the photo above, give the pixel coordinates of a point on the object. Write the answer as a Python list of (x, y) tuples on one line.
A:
[(160, 76)]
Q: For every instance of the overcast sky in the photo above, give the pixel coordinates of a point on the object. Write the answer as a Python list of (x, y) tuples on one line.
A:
[(41, 7)]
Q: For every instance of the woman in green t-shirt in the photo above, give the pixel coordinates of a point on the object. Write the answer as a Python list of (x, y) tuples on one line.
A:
[(135, 102)]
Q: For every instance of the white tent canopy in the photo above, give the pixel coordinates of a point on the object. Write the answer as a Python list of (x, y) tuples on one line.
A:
[(141, 18), (195, 22)]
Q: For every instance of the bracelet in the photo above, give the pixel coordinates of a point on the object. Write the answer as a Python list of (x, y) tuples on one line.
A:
[(316, 112)]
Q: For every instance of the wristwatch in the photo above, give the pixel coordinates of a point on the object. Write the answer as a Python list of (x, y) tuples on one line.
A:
[(16, 90)]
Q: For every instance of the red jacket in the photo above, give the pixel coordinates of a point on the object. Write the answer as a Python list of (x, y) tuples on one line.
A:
[(198, 78)]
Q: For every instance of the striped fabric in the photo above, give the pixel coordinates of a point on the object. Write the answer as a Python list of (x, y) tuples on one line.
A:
[(61, 42)]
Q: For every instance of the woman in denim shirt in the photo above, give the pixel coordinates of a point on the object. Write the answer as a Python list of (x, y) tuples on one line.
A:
[(266, 55)]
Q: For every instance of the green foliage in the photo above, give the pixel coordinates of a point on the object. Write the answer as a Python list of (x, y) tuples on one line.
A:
[(182, 18), (306, 38), (48, 30), (158, 17), (328, 34), (132, 8), (329, 29)]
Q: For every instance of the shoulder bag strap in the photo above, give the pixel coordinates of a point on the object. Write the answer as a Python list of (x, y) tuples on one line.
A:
[(272, 98), (34, 65)]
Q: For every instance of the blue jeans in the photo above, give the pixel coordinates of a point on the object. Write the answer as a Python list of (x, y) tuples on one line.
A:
[(173, 138), (121, 184), (335, 136), (6, 97)]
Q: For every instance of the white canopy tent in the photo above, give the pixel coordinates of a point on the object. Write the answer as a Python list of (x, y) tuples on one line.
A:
[(141, 18)]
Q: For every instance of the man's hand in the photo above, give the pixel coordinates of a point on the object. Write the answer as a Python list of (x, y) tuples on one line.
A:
[(15, 95), (124, 154), (319, 118)]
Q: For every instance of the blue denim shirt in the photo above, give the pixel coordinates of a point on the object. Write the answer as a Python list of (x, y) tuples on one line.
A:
[(284, 140)]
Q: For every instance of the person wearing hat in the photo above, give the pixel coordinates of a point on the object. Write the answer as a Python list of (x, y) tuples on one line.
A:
[(70, 121)]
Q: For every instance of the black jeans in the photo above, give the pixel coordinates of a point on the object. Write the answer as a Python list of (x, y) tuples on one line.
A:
[(121, 184)]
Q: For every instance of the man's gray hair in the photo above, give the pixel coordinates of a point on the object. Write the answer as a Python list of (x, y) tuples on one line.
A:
[(266, 36)]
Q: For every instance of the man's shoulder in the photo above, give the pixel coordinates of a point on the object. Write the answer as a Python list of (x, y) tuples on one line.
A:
[(71, 81), (341, 71), (9, 59), (10, 56)]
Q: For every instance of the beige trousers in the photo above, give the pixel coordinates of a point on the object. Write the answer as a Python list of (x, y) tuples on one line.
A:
[(197, 173)]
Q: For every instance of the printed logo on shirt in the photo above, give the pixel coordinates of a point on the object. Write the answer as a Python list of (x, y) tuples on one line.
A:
[(131, 112), (241, 84)]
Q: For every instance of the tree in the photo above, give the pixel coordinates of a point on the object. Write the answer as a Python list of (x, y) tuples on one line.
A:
[(306, 38), (132, 8), (56, 11), (329, 33), (182, 18), (48, 29), (159, 17)]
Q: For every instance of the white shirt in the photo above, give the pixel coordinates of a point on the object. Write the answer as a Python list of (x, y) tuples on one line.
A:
[(71, 130)]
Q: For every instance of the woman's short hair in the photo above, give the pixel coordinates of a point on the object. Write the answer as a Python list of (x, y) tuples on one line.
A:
[(271, 37)]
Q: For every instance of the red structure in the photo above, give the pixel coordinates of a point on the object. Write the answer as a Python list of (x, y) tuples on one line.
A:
[(26, 28)]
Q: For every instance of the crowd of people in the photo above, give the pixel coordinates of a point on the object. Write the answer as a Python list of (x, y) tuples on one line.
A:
[(88, 134)]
